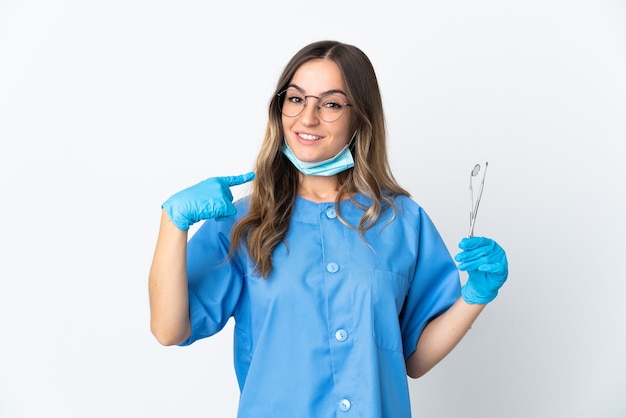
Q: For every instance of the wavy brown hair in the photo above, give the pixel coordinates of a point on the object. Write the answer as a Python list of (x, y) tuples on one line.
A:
[(275, 187)]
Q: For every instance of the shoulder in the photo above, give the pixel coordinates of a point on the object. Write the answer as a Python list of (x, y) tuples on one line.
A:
[(404, 207), (242, 205), (406, 203), (408, 211), (222, 227), (394, 206)]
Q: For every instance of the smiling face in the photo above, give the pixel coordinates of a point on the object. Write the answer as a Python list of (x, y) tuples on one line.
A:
[(309, 137)]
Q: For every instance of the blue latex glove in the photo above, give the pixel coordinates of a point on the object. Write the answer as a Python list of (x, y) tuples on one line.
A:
[(209, 199), (485, 262)]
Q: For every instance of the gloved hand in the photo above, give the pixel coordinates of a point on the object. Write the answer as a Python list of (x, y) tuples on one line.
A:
[(485, 262), (211, 198)]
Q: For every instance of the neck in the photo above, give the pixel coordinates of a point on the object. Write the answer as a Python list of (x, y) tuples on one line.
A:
[(318, 189)]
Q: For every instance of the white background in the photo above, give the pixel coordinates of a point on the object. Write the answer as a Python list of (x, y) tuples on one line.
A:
[(109, 107)]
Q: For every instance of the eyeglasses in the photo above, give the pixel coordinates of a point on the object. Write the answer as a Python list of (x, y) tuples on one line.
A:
[(474, 205), (330, 106)]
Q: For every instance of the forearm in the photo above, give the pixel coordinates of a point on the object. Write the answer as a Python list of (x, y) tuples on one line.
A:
[(169, 299), (441, 335)]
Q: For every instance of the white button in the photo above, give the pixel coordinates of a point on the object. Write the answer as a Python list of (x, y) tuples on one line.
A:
[(341, 335), (344, 405), (332, 267), (331, 213)]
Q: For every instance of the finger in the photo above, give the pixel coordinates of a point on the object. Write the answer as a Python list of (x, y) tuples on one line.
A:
[(228, 213), (473, 264), (237, 180), (474, 242), (476, 253), (218, 208), (492, 268)]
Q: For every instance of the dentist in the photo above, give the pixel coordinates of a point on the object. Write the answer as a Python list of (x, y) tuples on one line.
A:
[(339, 283)]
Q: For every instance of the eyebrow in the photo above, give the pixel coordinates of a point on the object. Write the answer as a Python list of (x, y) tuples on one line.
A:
[(301, 90)]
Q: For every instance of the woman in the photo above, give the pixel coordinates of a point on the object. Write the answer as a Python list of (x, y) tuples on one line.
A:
[(339, 283)]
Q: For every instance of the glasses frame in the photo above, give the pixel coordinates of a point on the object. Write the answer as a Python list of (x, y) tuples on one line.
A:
[(317, 106)]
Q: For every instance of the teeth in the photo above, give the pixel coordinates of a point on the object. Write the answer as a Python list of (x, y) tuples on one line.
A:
[(310, 137)]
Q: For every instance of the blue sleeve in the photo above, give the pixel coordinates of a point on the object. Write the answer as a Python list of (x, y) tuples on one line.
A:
[(435, 285), (215, 281)]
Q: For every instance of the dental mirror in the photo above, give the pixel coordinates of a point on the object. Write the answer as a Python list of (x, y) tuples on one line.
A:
[(474, 205)]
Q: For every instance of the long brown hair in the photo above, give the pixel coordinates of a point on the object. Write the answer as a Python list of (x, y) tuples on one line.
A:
[(275, 186)]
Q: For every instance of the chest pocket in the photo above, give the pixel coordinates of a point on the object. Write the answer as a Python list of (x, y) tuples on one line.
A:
[(388, 294)]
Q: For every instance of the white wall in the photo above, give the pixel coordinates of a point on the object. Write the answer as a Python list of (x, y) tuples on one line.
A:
[(107, 108)]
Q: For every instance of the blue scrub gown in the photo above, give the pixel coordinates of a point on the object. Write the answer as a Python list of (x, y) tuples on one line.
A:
[(328, 332)]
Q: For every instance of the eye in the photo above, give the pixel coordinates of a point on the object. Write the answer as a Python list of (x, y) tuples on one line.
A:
[(294, 98), (331, 105)]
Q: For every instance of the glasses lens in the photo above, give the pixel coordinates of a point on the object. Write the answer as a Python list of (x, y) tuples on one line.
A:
[(330, 107), (291, 102)]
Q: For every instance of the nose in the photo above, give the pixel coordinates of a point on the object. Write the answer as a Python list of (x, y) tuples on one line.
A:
[(309, 115)]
